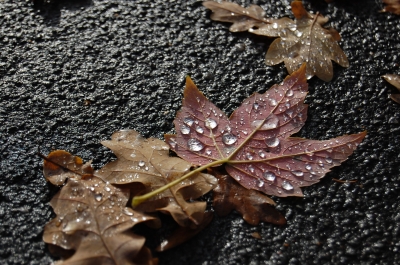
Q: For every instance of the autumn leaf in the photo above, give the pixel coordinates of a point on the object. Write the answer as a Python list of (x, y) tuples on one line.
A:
[(304, 40), (182, 234), (147, 161), (72, 166), (395, 81), (392, 6), (252, 205), (92, 218), (255, 143), (244, 19)]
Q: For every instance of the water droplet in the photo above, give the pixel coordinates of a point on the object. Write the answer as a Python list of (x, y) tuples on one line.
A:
[(98, 196), (328, 160), (199, 129), (308, 167), (298, 33), (289, 93), (229, 139), (297, 173), (272, 102), (185, 129), (260, 183), (249, 156), (286, 185), (274, 25), (188, 121), (210, 123), (272, 142), (270, 123), (107, 188), (292, 27), (255, 106), (195, 145), (269, 176), (251, 169), (261, 154), (208, 152), (127, 211), (329, 150), (141, 163)]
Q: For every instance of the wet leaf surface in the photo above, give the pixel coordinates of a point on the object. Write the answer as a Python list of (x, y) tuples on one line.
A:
[(147, 161), (255, 143), (304, 40), (92, 219), (252, 205)]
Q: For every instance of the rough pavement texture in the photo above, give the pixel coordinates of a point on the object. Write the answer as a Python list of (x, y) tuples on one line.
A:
[(128, 59)]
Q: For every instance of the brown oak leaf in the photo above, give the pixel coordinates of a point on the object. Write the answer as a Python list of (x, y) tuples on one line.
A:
[(255, 143), (147, 161), (394, 80), (392, 6), (304, 40), (92, 218)]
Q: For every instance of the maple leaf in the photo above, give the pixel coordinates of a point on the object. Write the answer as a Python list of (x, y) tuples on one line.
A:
[(395, 81), (392, 6), (251, 204), (255, 143), (147, 161), (91, 217), (302, 41)]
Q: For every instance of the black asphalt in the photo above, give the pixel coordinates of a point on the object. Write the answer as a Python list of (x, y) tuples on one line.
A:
[(73, 72)]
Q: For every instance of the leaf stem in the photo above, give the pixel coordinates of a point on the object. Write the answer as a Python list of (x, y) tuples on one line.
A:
[(140, 199)]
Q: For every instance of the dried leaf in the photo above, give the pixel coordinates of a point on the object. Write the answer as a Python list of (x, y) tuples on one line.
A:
[(245, 18), (300, 41), (254, 143), (72, 166), (147, 161), (252, 205), (392, 6), (395, 81), (93, 220), (182, 234)]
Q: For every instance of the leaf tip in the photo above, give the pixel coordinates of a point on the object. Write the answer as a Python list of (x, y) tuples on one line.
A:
[(298, 9), (189, 83)]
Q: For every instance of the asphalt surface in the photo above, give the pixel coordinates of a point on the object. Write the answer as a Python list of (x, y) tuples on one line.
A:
[(73, 72)]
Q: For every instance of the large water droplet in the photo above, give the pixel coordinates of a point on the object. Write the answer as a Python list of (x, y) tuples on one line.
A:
[(141, 163), (98, 196), (188, 121), (289, 93), (249, 156), (286, 185), (274, 25), (272, 102), (292, 27), (199, 129), (185, 129), (195, 145), (272, 142), (308, 167), (270, 123), (328, 160), (210, 123), (229, 139), (269, 176), (297, 173)]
